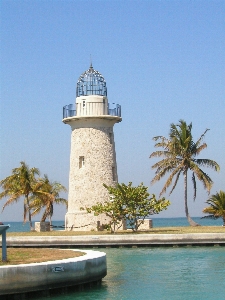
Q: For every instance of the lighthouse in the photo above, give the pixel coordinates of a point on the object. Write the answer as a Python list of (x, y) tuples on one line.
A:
[(92, 155)]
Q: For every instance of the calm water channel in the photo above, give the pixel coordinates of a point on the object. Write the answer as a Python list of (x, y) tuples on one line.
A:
[(159, 273)]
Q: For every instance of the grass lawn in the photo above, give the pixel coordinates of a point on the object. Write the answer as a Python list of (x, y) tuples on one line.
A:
[(16, 256), (157, 230)]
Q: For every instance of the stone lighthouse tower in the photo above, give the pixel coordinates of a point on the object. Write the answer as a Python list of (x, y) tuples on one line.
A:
[(92, 156)]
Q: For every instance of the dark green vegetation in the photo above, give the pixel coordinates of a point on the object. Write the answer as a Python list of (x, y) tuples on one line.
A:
[(179, 156), (38, 193), (129, 203), (36, 255), (217, 206)]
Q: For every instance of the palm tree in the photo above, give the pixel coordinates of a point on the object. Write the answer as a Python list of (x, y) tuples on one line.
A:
[(217, 206), (179, 156), (22, 183), (47, 198)]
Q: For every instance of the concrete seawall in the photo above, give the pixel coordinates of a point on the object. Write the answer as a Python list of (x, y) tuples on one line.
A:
[(117, 240), (23, 278)]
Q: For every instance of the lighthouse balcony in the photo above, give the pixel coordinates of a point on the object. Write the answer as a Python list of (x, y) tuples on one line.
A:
[(91, 109)]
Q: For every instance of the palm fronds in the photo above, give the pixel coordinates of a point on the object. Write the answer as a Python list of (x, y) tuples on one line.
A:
[(178, 156), (216, 208), (37, 193)]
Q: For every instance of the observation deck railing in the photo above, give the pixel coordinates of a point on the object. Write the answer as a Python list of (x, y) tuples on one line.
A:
[(90, 109)]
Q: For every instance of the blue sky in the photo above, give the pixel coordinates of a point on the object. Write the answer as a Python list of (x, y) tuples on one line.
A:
[(162, 61)]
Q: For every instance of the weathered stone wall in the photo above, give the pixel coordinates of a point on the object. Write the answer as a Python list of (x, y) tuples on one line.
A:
[(147, 224), (92, 163), (42, 226)]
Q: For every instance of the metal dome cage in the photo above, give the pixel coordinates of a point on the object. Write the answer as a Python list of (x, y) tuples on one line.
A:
[(91, 82)]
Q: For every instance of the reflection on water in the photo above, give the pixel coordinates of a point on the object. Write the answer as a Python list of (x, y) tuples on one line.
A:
[(159, 273)]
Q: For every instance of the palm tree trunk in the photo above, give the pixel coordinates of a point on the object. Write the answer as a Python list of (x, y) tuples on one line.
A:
[(191, 222), (50, 222), (51, 213), (29, 213)]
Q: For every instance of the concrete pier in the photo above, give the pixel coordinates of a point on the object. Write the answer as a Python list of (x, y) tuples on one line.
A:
[(117, 240), (45, 276)]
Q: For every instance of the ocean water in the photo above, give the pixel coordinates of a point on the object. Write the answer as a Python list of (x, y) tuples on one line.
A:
[(158, 274), (155, 273), (157, 222)]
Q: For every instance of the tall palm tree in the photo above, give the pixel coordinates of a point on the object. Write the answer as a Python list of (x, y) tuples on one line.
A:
[(47, 198), (179, 155), (217, 206), (22, 183)]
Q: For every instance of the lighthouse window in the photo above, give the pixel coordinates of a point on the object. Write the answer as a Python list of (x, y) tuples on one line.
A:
[(81, 162), (110, 138)]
